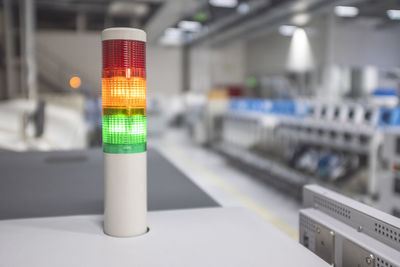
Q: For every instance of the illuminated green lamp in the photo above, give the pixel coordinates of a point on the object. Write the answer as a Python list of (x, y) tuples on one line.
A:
[(124, 134)]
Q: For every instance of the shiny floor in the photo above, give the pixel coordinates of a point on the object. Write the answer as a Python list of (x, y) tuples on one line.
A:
[(227, 184)]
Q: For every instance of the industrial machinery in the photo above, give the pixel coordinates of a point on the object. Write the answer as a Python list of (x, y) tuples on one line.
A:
[(389, 187), (345, 232), (293, 143)]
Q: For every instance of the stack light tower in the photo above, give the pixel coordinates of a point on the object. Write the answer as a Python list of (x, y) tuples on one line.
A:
[(124, 131)]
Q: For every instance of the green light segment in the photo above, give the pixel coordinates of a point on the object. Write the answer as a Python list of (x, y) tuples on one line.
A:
[(124, 134)]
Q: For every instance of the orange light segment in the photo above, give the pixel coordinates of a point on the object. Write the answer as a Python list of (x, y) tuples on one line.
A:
[(124, 92)]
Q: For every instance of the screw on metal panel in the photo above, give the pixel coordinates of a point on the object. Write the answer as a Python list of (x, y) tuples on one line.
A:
[(359, 228), (332, 233), (369, 259), (318, 230)]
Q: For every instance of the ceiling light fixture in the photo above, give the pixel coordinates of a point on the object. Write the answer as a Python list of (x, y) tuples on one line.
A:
[(346, 11), (128, 9), (173, 32), (172, 37), (190, 26), (393, 14), (301, 19), (224, 3), (243, 8), (287, 30)]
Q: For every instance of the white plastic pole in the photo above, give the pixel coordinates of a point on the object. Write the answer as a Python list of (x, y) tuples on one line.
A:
[(125, 175), (125, 194)]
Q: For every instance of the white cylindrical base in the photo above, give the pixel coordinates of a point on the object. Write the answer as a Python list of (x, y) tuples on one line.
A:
[(125, 194)]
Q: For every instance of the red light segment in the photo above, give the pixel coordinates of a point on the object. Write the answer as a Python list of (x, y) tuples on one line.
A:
[(124, 54)]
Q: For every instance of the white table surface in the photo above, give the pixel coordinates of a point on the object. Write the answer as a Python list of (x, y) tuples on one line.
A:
[(195, 237)]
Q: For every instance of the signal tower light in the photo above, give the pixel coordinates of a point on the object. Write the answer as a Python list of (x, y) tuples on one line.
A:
[(124, 131)]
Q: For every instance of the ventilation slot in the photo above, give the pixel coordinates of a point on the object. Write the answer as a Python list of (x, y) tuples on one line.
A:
[(307, 224), (332, 207), (383, 263), (387, 231)]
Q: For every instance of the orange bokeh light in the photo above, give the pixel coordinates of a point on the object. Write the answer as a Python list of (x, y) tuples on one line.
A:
[(75, 82)]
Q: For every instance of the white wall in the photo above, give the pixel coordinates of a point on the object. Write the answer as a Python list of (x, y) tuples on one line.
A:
[(210, 66), (361, 44), (82, 51), (354, 43), (164, 74), (268, 55), (200, 68), (228, 64), (335, 43)]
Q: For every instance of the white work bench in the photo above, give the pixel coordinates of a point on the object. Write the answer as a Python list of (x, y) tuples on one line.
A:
[(191, 237), (187, 228)]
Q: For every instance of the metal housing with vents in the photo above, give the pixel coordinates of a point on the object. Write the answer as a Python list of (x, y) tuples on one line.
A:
[(359, 235)]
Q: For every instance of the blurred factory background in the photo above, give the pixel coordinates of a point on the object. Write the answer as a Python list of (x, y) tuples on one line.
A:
[(251, 99)]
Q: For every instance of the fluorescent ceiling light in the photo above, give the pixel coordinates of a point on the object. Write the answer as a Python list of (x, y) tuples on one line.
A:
[(243, 8), (393, 14), (173, 32), (287, 30), (346, 11), (128, 9), (301, 19), (172, 36), (191, 26), (169, 41), (223, 3)]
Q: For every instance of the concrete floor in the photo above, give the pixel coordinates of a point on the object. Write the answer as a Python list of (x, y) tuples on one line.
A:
[(226, 184)]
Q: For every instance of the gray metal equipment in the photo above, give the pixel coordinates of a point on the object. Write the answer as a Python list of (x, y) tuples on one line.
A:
[(347, 233), (389, 188)]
